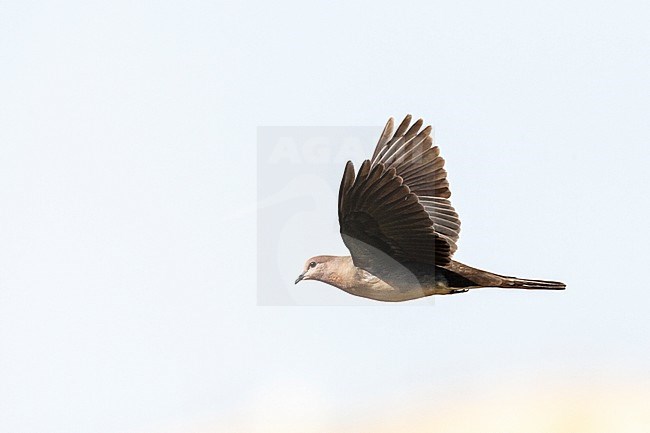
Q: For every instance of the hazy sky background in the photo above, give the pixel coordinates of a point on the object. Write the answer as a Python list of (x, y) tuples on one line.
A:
[(128, 262)]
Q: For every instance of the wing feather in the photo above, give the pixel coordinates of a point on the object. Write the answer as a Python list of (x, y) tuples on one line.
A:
[(397, 204)]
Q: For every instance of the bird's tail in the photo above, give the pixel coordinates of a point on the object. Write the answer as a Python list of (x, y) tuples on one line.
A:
[(475, 278), (521, 283)]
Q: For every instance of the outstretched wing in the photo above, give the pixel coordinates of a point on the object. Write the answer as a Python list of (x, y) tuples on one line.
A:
[(397, 205), (410, 152)]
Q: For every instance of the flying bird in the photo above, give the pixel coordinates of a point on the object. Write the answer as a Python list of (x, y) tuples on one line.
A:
[(400, 227)]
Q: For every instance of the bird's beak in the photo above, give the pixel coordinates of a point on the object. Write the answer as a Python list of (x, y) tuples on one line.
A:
[(300, 277)]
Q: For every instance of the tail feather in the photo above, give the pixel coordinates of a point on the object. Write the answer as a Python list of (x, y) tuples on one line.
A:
[(477, 278), (521, 283)]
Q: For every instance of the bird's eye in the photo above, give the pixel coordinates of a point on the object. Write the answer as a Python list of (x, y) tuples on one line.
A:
[(312, 265)]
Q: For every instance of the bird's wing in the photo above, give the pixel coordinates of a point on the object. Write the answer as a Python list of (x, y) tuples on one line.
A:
[(397, 205)]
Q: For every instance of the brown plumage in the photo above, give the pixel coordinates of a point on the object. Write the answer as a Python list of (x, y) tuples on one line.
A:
[(400, 227)]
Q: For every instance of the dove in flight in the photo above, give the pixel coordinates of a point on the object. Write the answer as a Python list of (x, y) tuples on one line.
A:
[(400, 227)]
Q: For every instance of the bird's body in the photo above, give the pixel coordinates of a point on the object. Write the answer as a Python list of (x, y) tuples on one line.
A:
[(412, 281), (409, 281), (398, 223)]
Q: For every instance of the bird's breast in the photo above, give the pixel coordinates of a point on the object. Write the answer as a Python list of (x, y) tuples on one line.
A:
[(401, 284)]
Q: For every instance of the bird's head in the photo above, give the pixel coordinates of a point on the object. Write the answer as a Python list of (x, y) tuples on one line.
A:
[(315, 268)]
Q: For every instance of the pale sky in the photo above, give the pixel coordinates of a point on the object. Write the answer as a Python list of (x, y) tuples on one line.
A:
[(128, 183)]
